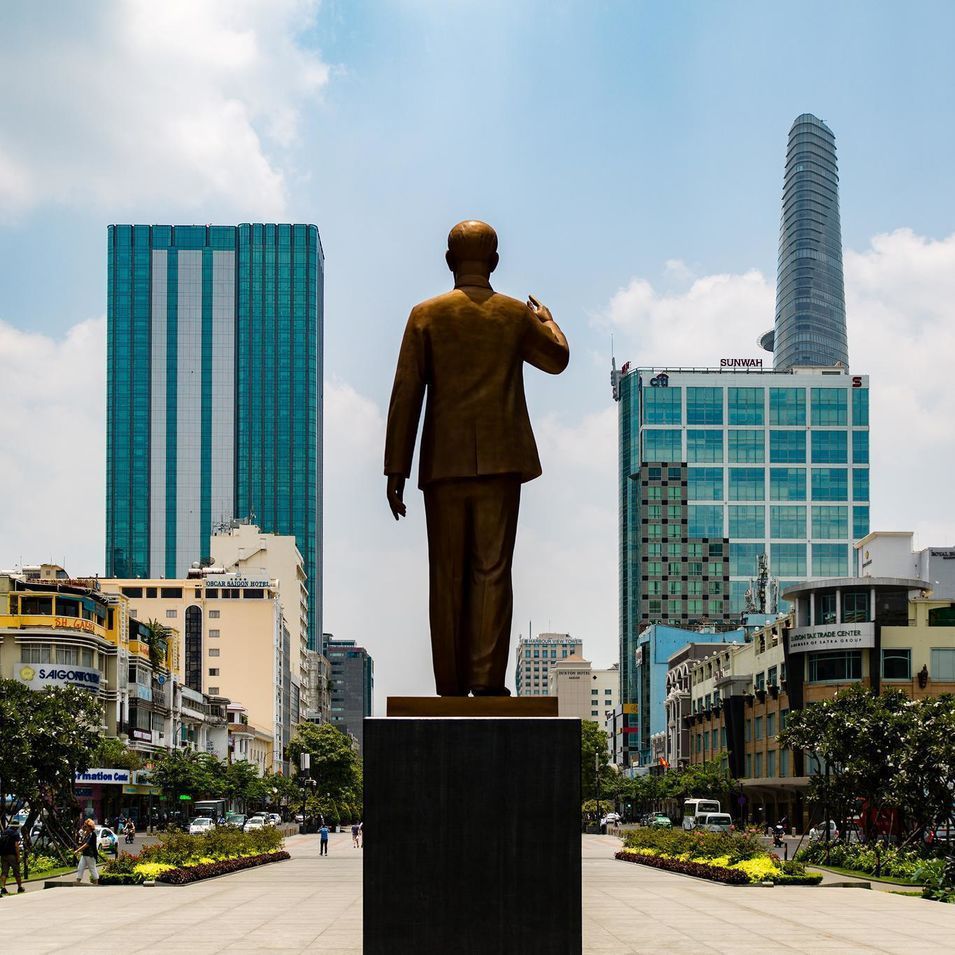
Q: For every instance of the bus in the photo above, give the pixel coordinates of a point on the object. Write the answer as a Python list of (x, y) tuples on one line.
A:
[(698, 807)]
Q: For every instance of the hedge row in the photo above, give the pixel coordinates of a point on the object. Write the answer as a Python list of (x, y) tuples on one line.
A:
[(701, 870), (207, 870)]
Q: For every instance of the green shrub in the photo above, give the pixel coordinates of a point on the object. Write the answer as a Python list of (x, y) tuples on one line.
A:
[(893, 862), (737, 846)]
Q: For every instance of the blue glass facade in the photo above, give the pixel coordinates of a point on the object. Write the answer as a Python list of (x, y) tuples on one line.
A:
[(214, 393), (810, 324), (715, 471)]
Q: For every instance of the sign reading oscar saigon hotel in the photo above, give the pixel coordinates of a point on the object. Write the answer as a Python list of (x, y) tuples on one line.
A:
[(832, 636), (40, 675)]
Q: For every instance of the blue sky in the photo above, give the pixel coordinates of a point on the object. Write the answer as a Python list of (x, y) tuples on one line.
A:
[(609, 144)]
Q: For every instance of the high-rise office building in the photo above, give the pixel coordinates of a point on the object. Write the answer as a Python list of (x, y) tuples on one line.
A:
[(352, 685), (536, 655), (810, 324), (717, 468), (214, 393)]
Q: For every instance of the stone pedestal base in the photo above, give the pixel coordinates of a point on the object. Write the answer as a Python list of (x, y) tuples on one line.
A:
[(472, 836)]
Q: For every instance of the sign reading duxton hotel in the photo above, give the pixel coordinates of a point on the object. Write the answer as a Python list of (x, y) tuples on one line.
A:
[(40, 675), (832, 636)]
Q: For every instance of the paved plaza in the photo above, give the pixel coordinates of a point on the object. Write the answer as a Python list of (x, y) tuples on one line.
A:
[(313, 904)]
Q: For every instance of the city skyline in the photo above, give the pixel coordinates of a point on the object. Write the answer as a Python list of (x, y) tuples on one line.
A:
[(643, 201)]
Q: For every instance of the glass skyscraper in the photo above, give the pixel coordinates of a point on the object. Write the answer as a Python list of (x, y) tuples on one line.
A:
[(717, 468), (810, 324), (214, 393)]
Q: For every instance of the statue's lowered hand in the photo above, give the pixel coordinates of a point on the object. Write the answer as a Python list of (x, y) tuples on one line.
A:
[(396, 490), (541, 311)]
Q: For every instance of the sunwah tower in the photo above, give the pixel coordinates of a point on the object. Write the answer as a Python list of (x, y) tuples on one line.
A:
[(720, 466), (214, 393)]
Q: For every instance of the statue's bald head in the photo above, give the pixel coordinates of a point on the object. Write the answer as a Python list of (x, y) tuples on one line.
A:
[(472, 248)]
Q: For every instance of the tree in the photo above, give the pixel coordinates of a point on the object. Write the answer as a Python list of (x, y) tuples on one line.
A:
[(594, 762), (334, 763), (186, 773), (114, 753), (157, 641), (46, 737)]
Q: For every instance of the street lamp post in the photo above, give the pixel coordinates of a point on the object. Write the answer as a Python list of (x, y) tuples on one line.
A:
[(597, 781)]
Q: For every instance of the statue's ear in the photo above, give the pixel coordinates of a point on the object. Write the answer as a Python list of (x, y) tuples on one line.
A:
[(449, 258), (492, 262)]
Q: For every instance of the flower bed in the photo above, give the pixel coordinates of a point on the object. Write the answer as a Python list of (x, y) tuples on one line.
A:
[(179, 858), (701, 870), (912, 865), (713, 854), (206, 870)]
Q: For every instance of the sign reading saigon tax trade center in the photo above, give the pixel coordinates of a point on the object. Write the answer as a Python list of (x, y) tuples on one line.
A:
[(832, 636)]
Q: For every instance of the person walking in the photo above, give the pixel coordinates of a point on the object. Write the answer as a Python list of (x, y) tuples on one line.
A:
[(88, 853), (10, 858), (323, 837), (354, 835), (361, 834)]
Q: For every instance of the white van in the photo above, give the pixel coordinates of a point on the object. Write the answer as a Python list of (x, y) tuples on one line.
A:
[(692, 808), (714, 822)]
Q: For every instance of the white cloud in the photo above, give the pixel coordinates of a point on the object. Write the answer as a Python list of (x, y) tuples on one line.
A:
[(900, 302), (188, 106), (52, 458)]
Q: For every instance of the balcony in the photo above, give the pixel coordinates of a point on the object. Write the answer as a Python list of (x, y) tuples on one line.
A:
[(74, 626)]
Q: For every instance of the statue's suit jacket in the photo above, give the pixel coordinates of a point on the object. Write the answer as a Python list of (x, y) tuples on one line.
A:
[(467, 348)]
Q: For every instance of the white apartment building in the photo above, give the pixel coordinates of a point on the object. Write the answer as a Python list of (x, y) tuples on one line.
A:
[(581, 690), (536, 655)]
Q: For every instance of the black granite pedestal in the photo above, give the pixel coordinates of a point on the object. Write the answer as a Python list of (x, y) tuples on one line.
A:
[(472, 836)]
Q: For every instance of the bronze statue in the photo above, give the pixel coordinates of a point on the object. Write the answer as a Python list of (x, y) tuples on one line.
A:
[(467, 349)]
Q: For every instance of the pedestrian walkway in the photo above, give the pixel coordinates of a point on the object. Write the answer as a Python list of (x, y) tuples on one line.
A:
[(313, 904)]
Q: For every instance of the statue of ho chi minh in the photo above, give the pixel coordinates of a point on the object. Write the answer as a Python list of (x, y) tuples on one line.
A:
[(466, 349)]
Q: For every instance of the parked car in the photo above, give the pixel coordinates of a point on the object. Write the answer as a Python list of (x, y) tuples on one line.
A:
[(714, 822), (256, 822), (106, 840), (660, 821), (818, 833), (200, 824), (235, 819)]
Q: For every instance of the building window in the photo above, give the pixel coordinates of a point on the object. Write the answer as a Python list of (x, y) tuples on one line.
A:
[(787, 447), (171, 614), (749, 765), (825, 608), (788, 560), (171, 593), (662, 444), (830, 560), (213, 633), (855, 606), (68, 655), (860, 407), (747, 521), (213, 691), (830, 523), (213, 671), (758, 728), (214, 614), (896, 664), (37, 653), (759, 765), (771, 763), (835, 666), (745, 405), (829, 406), (213, 651), (787, 484), (830, 484), (704, 446), (747, 484), (748, 730), (704, 484), (943, 665), (860, 521), (662, 405), (705, 520), (787, 521), (787, 406), (830, 447), (747, 447), (193, 648), (704, 405), (860, 484), (784, 762), (770, 725), (743, 559), (132, 591), (860, 447)]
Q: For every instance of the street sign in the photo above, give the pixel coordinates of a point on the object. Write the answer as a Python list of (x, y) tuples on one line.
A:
[(184, 796)]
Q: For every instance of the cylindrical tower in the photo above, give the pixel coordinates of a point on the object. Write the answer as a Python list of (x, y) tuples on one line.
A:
[(810, 294)]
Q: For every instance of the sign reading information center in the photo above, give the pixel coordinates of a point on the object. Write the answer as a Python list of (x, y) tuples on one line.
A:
[(832, 636)]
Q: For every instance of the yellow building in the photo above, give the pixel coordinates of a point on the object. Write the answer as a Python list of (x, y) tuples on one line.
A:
[(885, 633), (235, 644)]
